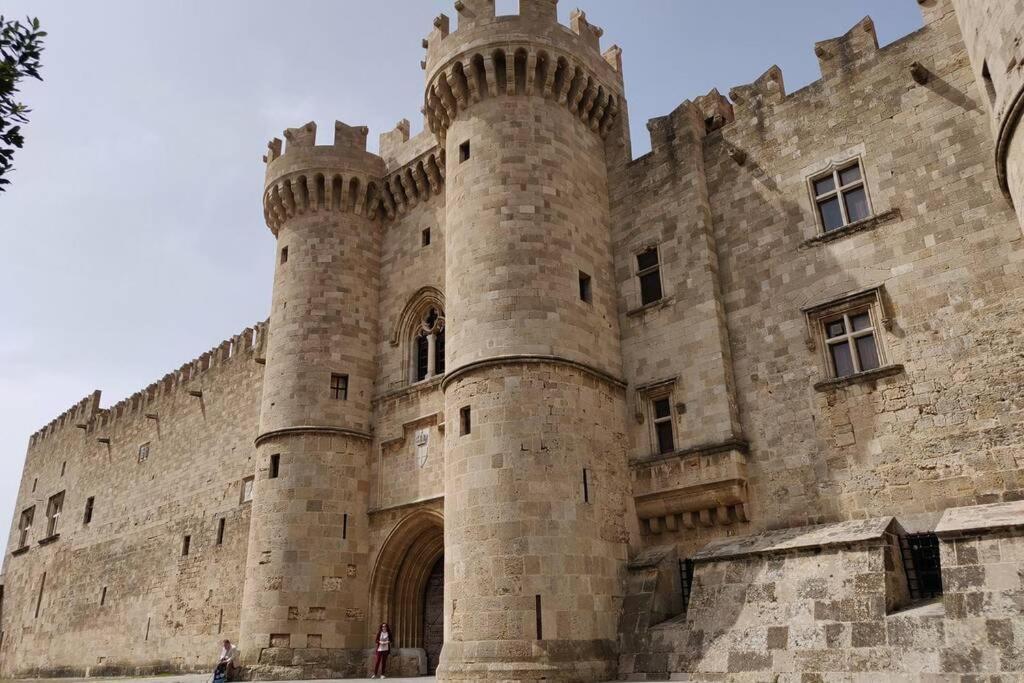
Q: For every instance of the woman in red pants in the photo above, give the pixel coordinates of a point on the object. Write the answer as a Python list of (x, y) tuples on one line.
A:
[(380, 663)]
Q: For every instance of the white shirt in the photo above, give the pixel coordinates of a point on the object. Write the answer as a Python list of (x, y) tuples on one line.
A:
[(385, 642), (229, 654)]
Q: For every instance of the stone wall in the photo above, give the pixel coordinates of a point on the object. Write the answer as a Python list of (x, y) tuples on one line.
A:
[(161, 611)]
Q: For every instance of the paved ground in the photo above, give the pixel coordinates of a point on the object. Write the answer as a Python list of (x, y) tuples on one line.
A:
[(197, 678)]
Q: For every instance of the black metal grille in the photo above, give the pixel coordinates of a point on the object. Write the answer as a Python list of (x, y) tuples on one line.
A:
[(922, 564), (686, 580)]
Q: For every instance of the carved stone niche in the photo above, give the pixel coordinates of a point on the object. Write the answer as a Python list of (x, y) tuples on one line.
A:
[(701, 487)]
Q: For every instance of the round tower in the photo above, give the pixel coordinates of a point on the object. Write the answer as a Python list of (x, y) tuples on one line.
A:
[(306, 575), (535, 481), (992, 31)]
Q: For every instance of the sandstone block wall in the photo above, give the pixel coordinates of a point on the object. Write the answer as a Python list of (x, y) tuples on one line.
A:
[(161, 611)]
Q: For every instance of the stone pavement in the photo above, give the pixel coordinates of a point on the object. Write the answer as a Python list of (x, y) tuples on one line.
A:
[(196, 678)]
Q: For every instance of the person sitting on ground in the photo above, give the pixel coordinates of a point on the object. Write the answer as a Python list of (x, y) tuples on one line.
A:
[(228, 662)]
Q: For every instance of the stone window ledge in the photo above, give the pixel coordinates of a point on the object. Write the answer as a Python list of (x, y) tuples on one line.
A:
[(663, 302), (869, 223), (49, 539), (859, 378), (20, 551)]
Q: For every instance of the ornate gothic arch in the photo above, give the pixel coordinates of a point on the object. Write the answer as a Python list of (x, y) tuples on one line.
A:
[(410, 323)]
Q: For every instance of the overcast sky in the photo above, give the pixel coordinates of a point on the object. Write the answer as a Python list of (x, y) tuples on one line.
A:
[(134, 232)]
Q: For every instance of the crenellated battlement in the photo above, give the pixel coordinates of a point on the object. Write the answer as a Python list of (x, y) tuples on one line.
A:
[(525, 54), (306, 177), (413, 182), (249, 344)]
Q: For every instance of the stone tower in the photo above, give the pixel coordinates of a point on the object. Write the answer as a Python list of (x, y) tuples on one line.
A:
[(535, 530), (993, 32), (306, 574)]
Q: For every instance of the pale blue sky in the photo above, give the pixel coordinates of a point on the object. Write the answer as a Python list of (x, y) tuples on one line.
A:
[(134, 231)]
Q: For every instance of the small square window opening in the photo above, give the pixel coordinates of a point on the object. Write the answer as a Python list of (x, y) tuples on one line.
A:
[(339, 387), (465, 421), (840, 197), (284, 254)]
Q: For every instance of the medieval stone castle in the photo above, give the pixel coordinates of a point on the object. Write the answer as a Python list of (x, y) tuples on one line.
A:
[(747, 407)]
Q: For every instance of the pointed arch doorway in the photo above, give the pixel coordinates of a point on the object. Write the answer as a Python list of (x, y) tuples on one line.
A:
[(407, 587)]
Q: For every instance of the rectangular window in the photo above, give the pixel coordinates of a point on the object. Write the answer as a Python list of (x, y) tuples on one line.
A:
[(661, 409), (922, 563), (144, 452), (465, 421), (90, 502), (851, 343), (649, 272), (464, 151), (247, 490), (840, 197), (25, 526), (426, 237), (585, 292), (284, 255), (220, 531), (339, 387), (540, 620), (186, 545), (686, 580), (53, 512), (275, 466)]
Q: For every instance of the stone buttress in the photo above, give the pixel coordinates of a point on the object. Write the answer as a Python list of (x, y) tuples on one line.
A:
[(535, 482), (307, 567)]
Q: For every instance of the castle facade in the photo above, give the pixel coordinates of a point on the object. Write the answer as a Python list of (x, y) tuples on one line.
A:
[(748, 405)]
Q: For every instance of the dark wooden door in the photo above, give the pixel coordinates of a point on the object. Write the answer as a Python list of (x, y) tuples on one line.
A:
[(433, 616)]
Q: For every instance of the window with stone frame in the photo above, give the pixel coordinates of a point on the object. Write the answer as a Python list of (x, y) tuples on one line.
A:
[(53, 511), (663, 424), (648, 273), (247, 485), (840, 196), (428, 347), (144, 452), (850, 334), (25, 526)]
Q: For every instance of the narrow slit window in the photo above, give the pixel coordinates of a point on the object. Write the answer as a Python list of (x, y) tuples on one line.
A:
[(840, 197), (339, 387), (275, 466), (540, 619), (585, 290), (425, 237), (186, 546), (464, 151), (649, 273), (686, 581), (586, 485), (465, 421), (220, 531), (990, 88), (344, 526), (90, 503), (39, 600), (663, 432), (63, 467), (284, 255), (103, 596)]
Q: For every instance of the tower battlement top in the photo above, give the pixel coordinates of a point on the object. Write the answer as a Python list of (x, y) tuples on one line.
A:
[(300, 152), (525, 54)]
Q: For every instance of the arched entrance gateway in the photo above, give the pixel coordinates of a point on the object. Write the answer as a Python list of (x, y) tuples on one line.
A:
[(407, 588)]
